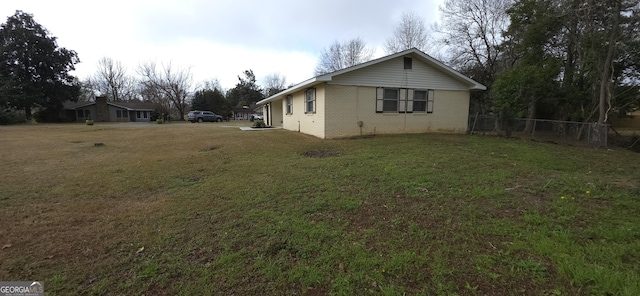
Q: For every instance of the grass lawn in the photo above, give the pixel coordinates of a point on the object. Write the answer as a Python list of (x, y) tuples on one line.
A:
[(200, 209)]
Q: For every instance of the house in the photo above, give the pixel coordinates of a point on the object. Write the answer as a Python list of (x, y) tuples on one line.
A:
[(101, 110), (406, 92), (241, 113), (245, 112), (630, 121)]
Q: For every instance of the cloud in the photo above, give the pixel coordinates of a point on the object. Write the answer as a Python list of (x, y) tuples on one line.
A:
[(216, 39)]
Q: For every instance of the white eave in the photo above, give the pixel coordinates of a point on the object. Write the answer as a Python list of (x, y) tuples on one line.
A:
[(302, 85), (473, 85)]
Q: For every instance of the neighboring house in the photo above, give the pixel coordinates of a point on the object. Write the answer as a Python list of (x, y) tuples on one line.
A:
[(631, 121), (101, 110), (406, 92), (245, 112), (241, 113)]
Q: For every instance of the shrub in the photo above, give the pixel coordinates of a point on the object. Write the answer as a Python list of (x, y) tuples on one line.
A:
[(259, 124), (47, 115), (10, 117)]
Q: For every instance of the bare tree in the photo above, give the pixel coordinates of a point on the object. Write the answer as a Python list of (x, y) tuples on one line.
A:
[(150, 94), (472, 30), (111, 79), (273, 84), (87, 93), (604, 98), (409, 33), (167, 84), (340, 55), (211, 85)]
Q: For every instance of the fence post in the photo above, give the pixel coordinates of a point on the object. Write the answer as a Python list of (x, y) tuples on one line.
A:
[(533, 130), (473, 128), (606, 135)]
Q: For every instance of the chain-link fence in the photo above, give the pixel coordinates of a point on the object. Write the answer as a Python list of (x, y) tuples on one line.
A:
[(569, 132)]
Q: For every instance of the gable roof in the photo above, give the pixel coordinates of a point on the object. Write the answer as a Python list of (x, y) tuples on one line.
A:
[(473, 85), (74, 105), (131, 106), (241, 110)]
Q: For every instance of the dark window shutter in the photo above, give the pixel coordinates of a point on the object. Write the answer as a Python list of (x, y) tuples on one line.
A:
[(402, 100)]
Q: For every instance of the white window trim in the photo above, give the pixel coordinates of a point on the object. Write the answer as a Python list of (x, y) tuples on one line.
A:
[(426, 99), (289, 104), (307, 101), (380, 99), (405, 100)]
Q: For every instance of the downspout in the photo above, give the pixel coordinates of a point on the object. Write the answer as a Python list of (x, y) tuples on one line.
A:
[(404, 100)]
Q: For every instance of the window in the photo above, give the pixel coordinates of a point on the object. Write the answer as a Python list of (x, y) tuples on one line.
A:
[(122, 113), (390, 98), (387, 100), (146, 114), (84, 114), (420, 101), (138, 114), (289, 102), (310, 100), (408, 63)]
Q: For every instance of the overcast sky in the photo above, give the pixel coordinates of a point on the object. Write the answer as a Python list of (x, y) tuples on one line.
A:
[(216, 39)]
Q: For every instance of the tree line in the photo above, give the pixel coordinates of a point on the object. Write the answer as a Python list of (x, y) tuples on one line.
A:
[(553, 59), (174, 90), (34, 73)]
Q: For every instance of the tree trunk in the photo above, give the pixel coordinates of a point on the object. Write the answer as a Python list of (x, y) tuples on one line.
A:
[(505, 120), (605, 78), (27, 113), (531, 115)]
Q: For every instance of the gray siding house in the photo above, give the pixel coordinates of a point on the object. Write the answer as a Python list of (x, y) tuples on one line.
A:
[(103, 111)]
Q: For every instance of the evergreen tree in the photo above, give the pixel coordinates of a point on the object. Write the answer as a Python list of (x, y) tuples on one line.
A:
[(534, 75), (247, 92), (211, 100), (199, 101), (34, 71)]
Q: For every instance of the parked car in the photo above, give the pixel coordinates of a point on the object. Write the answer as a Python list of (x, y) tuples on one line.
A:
[(201, 116), (257, 117)]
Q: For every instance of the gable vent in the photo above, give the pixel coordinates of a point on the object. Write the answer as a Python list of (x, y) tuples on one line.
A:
[(407, 63)]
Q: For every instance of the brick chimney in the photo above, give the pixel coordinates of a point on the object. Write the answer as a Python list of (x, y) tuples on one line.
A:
[(102, 109)]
